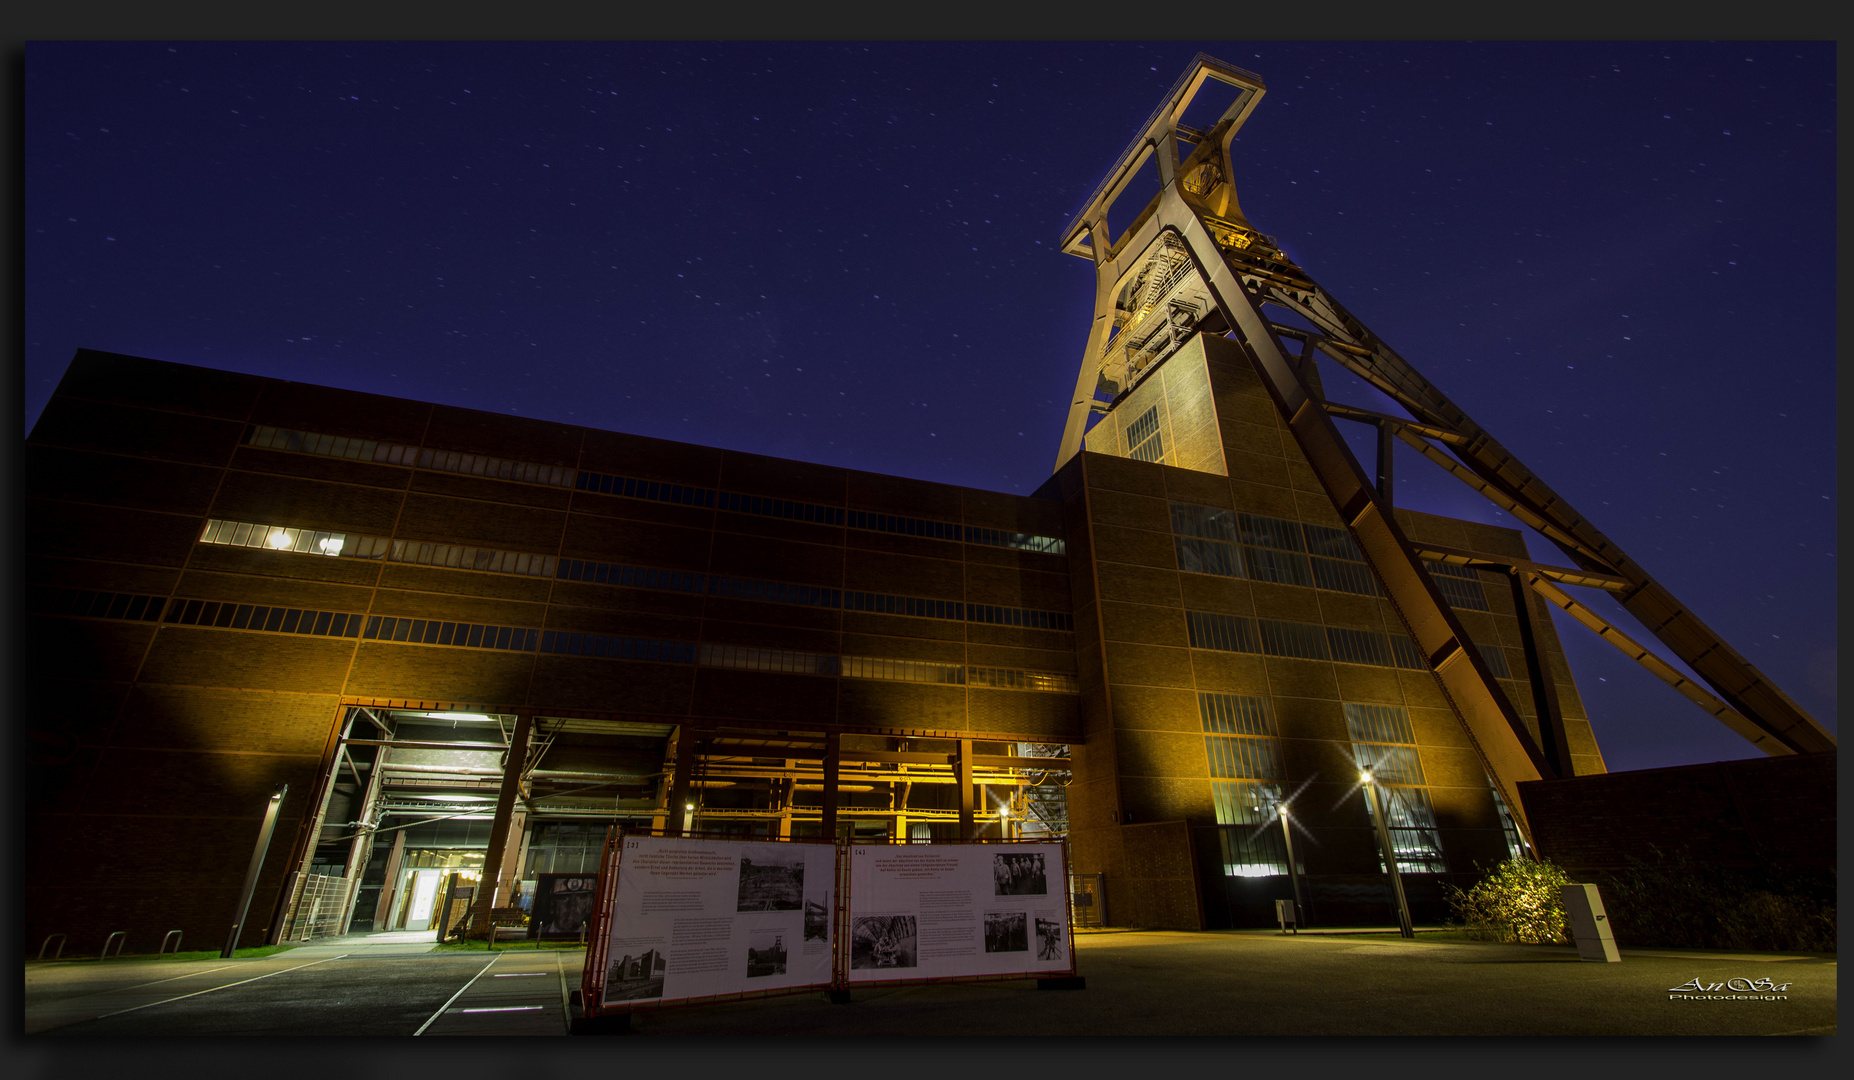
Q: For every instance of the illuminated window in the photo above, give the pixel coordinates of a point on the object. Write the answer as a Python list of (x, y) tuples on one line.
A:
[(1384, 744), (1143, 440), (1244, 758), (1012, 679)]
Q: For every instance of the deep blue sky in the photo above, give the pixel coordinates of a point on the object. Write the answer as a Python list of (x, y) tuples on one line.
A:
[(1618, 258)]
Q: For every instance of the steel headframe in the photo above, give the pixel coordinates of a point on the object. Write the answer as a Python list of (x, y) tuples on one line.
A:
[(1243, 269)]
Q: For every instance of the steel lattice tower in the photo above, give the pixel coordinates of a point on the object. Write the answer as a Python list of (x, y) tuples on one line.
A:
[(1190, 262)]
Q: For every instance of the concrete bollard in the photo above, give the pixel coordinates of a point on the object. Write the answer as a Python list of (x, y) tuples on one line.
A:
[(1590, 924)]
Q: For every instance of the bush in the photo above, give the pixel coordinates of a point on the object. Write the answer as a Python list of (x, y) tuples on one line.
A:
[(1672, 902), (1518, 901)]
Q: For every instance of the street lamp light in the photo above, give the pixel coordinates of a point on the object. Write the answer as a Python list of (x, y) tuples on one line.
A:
[(1404, 925), (251, 871), (1287, 834)]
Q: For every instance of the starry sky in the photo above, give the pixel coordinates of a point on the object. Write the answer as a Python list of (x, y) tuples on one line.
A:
[(1617, 258)]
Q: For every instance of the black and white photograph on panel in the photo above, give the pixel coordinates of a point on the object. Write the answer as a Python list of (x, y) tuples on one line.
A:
[(765, 953), (1049, 940), (636, 976), (562, 905), (817, 919), (1019, 875), (1005, 932), (772, 878), (882, 941)]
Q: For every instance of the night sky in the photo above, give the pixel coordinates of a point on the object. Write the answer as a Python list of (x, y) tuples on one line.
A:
[(1618, 258)]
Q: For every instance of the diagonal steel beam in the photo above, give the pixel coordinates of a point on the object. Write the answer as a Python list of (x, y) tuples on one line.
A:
[(1662, 670), (1500, 476)]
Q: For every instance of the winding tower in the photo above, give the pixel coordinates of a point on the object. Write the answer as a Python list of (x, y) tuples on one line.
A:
[(1205, 356)]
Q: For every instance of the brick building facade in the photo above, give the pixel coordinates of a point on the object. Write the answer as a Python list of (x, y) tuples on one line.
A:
[(234, 581)]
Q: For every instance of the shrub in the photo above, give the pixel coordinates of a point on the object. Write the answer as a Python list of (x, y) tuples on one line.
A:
[(1518, 901), (1673, 902)]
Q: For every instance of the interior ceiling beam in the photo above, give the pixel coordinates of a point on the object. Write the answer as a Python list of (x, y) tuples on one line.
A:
[(414, 744)]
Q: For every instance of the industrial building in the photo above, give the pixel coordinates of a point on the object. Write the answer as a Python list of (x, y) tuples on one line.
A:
[(471, 644), (235, 582)]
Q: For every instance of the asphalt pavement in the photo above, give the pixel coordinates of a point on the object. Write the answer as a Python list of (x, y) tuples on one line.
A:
[(1249, 983)]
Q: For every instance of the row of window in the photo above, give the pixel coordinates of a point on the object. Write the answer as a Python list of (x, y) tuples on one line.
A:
[(352, 545), (1304, 641), (630, 487), (746, 658), (1210, 540), (790, 662), (452, 461), (89, 603), (136, 607), (235, 616), (274, 620), (461, 635), (489, 560)]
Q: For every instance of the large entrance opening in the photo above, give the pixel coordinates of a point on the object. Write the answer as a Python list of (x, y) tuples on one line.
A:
[(408, 823)]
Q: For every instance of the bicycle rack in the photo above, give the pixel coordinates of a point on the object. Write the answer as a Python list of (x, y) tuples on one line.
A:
[(60, 939), (118, 939), (173, 936)]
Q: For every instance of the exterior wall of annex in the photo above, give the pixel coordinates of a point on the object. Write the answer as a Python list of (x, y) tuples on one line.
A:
[(154, 742), (1194, 653)]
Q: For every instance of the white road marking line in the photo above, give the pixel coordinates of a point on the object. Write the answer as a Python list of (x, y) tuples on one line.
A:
[(566, 1007), (454, 997), (519, 975), (210, 989), (156, 982), (504, 1008)]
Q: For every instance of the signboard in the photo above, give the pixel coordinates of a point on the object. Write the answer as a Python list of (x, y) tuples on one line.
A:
[(703, 918), (938, 911)]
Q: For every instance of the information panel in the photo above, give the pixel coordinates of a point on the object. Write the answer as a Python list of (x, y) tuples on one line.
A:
[(695, 918), (936, 911)]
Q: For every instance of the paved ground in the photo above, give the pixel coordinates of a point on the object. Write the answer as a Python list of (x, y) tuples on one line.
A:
[(1138, 983)]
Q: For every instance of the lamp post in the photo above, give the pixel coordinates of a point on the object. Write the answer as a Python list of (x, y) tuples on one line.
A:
[(1287, 834), (1404, 926), (251, 872)]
